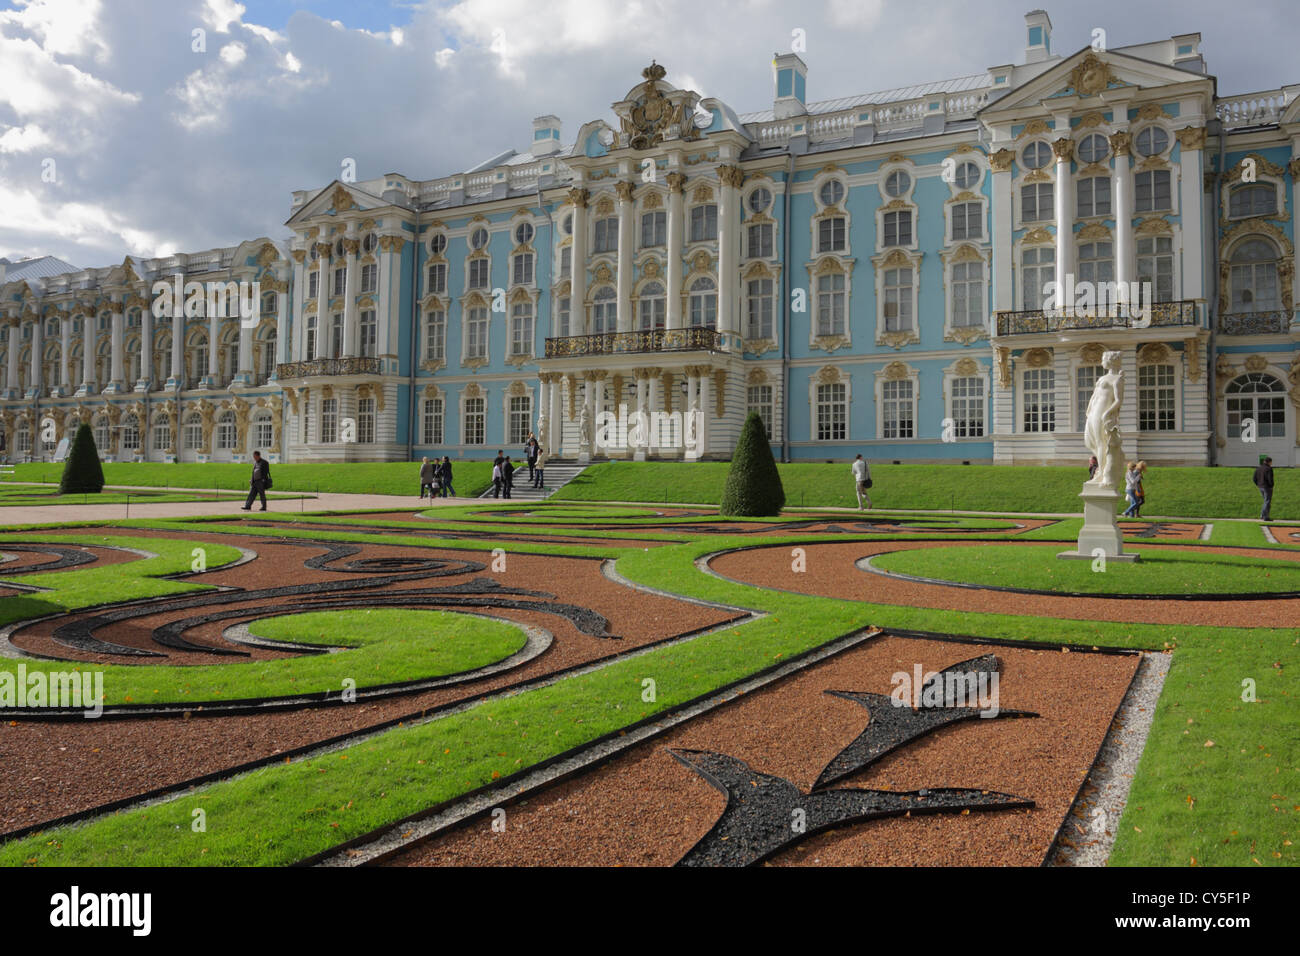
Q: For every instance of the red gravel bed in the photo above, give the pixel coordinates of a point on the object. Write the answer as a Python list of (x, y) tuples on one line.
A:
[(75, 765), (831, 573), (645, 808), (1165, 532), (1285, 535)]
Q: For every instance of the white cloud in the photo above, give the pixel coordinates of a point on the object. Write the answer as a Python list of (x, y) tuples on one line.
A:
[(65, 27), (220, 14), (291, 63), (233, 53), (24, 139)]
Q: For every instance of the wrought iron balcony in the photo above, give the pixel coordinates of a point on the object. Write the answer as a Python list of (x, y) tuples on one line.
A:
[(650, 340), (334, 366), (1254, 323), (1161, 314)]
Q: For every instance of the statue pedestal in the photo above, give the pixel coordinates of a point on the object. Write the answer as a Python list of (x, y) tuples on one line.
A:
[(1100, 529)]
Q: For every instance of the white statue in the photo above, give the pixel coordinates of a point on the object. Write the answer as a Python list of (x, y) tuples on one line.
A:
[(584, 430), (1101, 432), (543, 431)]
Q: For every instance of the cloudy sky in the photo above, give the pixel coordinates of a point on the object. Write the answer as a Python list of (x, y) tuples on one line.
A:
[(120, 132)]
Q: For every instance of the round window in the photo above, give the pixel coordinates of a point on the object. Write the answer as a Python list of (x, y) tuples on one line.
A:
[(898, 183), (438, 244), (1094, 148), (478, 238), (1152, 141), (968, 174), (1036, 155), (524, 233), (832, 192), (759, 200)]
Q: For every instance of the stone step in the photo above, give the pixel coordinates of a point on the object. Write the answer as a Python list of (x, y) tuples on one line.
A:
[(557, 476)]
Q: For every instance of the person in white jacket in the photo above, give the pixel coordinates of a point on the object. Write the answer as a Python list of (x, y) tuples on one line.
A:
[(861, 481)]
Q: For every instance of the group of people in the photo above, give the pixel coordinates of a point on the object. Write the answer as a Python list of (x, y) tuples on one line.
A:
[(435, 478), (503, 469), (1136, 493)]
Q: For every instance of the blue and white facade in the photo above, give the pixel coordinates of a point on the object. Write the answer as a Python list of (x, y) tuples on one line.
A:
[(871, 274)]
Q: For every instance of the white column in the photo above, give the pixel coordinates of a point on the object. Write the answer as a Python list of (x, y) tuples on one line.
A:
[(214, 348), (390, 258), (299, 353), (323, 288), (625, 250), (117, 345), (689, 404), (178, 347), (1122, 193), (1004, 265), (34, 382), (146, 358), (245, 364), (554, 414), (1190, 207), (729, 179), (578, 269), (15, 343), (653, 384), (642, 413), (350, 247), (89, 344), (1128, 421), (706, 411), (676, 183), (1064, 150), (281, 329), (65, 354)]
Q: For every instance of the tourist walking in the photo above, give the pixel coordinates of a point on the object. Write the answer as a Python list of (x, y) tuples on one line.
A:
[(861, 480), (539, 471), (496, 479), (444, 475), (1133, 488), (1264, 482), (428, 473), (530, 453), (507, 477), (1092, 467), (260, 481)]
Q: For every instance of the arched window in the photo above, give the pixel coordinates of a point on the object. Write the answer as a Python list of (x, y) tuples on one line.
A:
[(226, 431), (604, 311), (193, 432), (262, 432), (269, 345), (1260, 397), (652, 306), (130, 433), (132, 360), (704, 303), (162, 432), (1254, 277), (101, 433)]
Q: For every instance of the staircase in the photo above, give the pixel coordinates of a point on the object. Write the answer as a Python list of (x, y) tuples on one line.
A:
[(558, 474)]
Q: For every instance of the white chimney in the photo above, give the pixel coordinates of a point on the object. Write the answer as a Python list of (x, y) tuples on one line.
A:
[(546, 135), (1038, 36)]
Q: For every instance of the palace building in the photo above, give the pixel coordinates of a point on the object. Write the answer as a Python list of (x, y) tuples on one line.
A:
[(869, 273)]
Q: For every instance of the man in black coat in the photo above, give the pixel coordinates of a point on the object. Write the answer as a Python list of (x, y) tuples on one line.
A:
[(445, 477), (507, 477), (1264, 482), (257, 485)]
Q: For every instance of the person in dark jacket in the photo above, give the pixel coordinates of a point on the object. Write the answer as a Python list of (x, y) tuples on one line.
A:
[(507, 477), (444, 475), (257, 484), (530, 453), (1092, 467), (427, 475), (1264, 482)]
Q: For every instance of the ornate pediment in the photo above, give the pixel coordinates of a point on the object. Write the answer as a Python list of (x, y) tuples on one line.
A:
[(655, 111)]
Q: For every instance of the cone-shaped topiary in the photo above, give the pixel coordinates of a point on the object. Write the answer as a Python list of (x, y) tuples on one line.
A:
[(82, 473), (753, 485)]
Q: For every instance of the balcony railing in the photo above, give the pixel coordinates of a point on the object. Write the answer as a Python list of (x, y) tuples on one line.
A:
[(653, 340), (1038, 320), (334, 366), (1254, 323)]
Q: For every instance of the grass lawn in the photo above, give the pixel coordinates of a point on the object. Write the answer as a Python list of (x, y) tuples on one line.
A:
[(470, 478), (1232, 803), (1205, 492), (31, 496), (1161, 570)]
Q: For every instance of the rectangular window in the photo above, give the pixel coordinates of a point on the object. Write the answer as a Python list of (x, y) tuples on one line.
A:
[(760, 240), (193, 435), (898, 300), (898, 410), (760, 401), (473, 432), (566, 262), (369, 332), (654, 229), (476, 333), (329, 420), (369, 277), (968, 407), (263, 434), (1156, 411), (832, 412), (830, 304), (1037, 269), (523, 271), (831, 234), (521, 419), (365, 421), (340, 281), (1097, 266), (1093, 197), (1151, 191), (1155, 264), (313, 284), (967, 294), (433, 421), (521, 328), (760, 305), (898, 228), (1039, 396), (1085, 380), (704, 223), (1256, 200), (478, 274), (435, 335), (1036, 202), (967, 221), (437, 279), (606, 235), (336, 336), (562, 316)]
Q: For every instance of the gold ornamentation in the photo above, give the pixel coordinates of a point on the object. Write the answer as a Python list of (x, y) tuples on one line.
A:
[(1154, 353), (1038, 176), (676, 181), (1001, 160), (1256, 363), (1091, 76), (1152, 111), (1063, 148), (1192, 352), (652, 201), (966, 367), (1153, 226), (1038, 358), (1091, 353), (719, 392), (1036, 236), (604, 206), (1294, 167), (651, 269), (1262, 165), (732, 176), (351, 246), (1034, 127), (897, 340), (1092, 231), (653, 114), (702, 261), (702, 193), (895, 372), (759, 346), (830, 343), (965, 335), (1191, 137), (624, 190), (578, 197), (1092, 120), (1093, 169), (828, 375), (341, 201), (1121, 143)]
